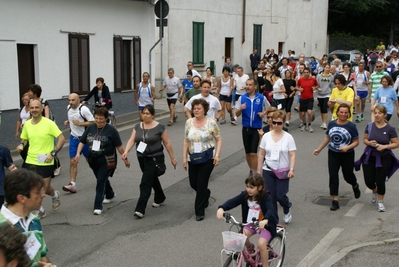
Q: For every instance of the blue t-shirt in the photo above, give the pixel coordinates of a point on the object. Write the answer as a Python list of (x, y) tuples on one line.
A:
[(5, 162), (341, 135), (386, 98), (313, 66), (187, 85)]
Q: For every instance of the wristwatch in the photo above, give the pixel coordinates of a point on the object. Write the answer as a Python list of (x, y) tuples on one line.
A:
[(53, 153)]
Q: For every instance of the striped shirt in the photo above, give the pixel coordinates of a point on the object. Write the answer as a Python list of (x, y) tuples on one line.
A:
[(375, 79)]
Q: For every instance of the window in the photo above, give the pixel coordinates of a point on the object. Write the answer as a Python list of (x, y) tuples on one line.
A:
[(79, 63), (123, 63), (258, 38), (198, 42)]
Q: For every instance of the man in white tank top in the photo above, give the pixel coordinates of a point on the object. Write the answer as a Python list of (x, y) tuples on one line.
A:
[(144, 94)]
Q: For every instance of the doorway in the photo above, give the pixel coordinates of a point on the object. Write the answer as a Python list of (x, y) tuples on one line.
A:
[(122, 64), (228, 44), (26, 68)]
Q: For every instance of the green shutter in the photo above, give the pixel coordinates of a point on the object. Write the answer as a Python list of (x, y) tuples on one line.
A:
[(198, 42), (258, 38)]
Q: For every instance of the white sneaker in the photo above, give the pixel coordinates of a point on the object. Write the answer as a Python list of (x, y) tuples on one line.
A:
[(287, 123), (303, 128), (323, 126), (287, 217), (138, 214), (373, 197), (57, 171), (108, 200), (300, 124), (56, 201), (381, 207), (310, 129), (97, 212)]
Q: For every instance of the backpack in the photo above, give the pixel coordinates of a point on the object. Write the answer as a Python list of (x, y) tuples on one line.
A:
[(373, 58), (80, 112), (51, 115)]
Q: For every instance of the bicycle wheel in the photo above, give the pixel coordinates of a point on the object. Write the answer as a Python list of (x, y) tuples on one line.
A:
[(277, 253), (234, 260)]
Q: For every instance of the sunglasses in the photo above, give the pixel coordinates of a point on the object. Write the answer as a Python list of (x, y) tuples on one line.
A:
[(269, 117), (378, 67), (279, 123)]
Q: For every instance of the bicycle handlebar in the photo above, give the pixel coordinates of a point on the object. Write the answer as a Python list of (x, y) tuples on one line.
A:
[(230, 219)]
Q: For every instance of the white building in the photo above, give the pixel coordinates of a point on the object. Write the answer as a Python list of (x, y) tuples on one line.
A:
[(65, 45), (210, 30)]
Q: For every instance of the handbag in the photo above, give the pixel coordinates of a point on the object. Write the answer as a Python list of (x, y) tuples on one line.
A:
[(202, 157), (159, 165), (111, 161)]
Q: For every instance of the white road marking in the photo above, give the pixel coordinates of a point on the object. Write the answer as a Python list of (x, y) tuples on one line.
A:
[(318, 250), (354, 210)]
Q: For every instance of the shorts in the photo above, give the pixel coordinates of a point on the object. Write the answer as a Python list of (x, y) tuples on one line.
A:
[(233, 96), (362, 94), (225, 98), (171, 101), (73, 147), (141, 108), (250, 138), (43, 171), (264, 233), (306, 104), (237, 96), (323, 103)]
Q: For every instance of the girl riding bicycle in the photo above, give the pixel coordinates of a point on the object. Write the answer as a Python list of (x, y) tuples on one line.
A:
[(255, 203)]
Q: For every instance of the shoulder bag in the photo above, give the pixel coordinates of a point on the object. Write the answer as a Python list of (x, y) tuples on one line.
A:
[(159, 164)]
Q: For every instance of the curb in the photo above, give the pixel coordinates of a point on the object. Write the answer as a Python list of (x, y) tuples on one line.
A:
[(340, 254)]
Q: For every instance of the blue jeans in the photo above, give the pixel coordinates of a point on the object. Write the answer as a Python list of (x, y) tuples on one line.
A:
[(103, 186)]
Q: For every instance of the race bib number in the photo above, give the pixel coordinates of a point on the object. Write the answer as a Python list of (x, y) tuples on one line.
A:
[(96, 145), (141, 147), (32, 246)]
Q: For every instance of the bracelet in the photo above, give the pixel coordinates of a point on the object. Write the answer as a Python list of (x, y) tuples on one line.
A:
[(217, 155), (22, 143), (292, 169)]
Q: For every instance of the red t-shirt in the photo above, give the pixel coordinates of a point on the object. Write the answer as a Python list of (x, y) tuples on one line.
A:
[(307, 86)]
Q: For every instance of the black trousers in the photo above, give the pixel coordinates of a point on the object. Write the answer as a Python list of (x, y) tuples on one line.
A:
[(345, 161), (149, 181), (376, 176), (199, 178)]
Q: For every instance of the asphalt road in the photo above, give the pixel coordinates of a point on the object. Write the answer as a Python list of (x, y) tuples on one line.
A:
[(170, 235)]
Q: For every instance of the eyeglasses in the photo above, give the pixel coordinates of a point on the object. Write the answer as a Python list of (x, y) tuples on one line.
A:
[(41, 192), (146, 113), (378, 67), (269, 117), (279, 123)]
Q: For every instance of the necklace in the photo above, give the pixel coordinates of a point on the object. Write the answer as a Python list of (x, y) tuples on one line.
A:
[(99, 134)]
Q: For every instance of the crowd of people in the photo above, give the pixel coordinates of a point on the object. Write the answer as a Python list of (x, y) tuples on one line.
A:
[(263, 99)]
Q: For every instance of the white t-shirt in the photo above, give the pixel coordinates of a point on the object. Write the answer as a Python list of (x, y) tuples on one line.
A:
[(240, 83), (172, 86), (277, 155), (277, 87), (195, 73), (73, 114), (214, 105)]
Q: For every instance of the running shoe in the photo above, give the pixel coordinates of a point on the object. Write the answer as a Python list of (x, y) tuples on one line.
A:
[(356, 191), (108, 200), (287, 123), (303, 128), (310, 129), (358, 118), (288, 217), (381, 207), (56, 202), (373, 197), (300, 124), (222, 122), (97, 212), (138, 214), (334, 205), (361, 117), (323, 126), (70, 188), (40, 214)]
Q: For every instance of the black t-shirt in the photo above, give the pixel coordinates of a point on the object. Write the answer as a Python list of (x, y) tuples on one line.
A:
[(268, 85), (260, 79), (108, 136), (288, 84), (395, 75)]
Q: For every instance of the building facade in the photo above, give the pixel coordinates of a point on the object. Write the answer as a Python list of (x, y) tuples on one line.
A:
[(65, 45), (207, 31)]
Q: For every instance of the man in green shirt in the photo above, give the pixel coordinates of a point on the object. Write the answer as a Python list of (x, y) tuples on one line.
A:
[(194, 91)]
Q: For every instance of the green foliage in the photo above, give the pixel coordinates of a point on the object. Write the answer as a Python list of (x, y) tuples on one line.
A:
[(356, 7)]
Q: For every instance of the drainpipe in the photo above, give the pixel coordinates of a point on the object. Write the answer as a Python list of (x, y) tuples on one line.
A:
[(243, 20)]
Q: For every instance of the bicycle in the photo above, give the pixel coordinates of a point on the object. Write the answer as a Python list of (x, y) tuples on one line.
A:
[(237, 255), (111, 113)]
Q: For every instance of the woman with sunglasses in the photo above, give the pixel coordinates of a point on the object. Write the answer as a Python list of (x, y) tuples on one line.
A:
[(341, 137), (276, 162), (269, 115)]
